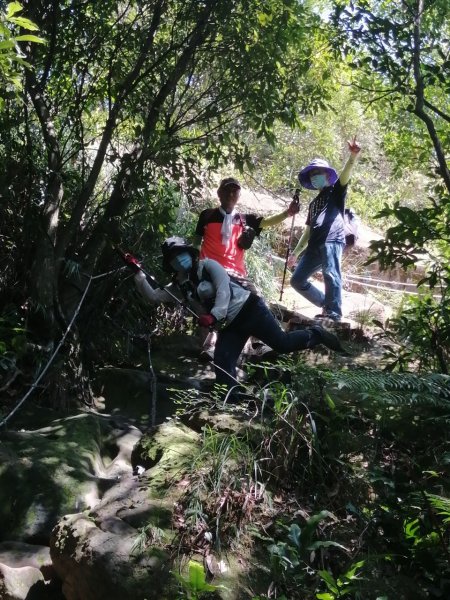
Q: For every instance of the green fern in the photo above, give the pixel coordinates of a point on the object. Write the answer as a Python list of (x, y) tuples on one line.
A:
[(396, 388), (441, 505)]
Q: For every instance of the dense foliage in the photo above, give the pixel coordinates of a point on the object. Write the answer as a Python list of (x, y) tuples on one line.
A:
[(341, 491), (399, 53), (114, 119), (121, 102)]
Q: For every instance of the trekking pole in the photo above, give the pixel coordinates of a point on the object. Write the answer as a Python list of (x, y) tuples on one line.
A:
[(152, 280), (123, 255), (288, 250)]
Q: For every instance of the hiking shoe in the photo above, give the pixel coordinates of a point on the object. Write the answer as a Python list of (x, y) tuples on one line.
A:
[(328, 315), (261, 350), (330, 340), (333, 317)]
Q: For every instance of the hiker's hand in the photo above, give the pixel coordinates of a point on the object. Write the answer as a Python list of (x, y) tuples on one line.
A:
[(132, 262), (353, 146), (292, 260), (293, 208), (206, 320)]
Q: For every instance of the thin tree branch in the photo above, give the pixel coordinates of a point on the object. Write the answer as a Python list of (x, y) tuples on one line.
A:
[(419, 106), (436, 110)]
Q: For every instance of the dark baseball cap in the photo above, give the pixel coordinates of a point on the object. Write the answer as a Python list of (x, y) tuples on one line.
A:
[(229, 181)]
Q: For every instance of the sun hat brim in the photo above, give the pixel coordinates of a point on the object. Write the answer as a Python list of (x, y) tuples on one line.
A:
[(316, 164)]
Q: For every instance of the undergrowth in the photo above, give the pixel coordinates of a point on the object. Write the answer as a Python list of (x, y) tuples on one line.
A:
[(335, 485)]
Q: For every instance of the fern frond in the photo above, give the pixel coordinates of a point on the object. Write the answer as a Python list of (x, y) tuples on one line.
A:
[(396, 388), (441, 505)]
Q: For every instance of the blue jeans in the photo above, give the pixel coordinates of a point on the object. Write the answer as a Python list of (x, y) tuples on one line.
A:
[(328, 258), (255, 319)]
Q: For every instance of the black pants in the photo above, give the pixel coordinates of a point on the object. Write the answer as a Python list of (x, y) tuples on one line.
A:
[(255, 319)]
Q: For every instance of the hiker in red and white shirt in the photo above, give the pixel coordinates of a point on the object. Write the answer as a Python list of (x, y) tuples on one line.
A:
[(223, 234), (219, 231)]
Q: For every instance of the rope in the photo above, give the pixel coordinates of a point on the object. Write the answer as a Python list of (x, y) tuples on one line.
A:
[(387, 289), (373, 279), (383, 288), (52, 357), (153, 382)]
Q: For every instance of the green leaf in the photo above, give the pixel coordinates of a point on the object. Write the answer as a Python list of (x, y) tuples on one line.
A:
[(329, 401), (327, 544), (13, 8), (6, 44), (350, 574), (264, 19), (329, 580), (294, 534), (411, 528), (25, 23), (21, 61), (197, 577), (30, 38)]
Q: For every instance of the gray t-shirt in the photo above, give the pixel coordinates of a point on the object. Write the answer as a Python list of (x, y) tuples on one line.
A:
[(224, 298)]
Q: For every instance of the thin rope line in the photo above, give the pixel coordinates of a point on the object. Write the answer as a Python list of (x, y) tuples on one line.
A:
[(104, 274), (395, 291), (374, 279), (270, 192), (45, 369)]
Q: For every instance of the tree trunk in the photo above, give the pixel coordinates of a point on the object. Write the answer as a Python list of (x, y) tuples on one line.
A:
[(419, 108)]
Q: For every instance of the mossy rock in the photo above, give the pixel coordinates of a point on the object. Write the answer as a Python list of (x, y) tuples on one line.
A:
[(171, 446), (47, 473)]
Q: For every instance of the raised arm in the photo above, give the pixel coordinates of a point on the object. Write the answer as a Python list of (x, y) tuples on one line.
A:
[(354, 149), (292, 210)]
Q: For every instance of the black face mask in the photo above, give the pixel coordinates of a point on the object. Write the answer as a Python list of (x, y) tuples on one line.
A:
[(246, 238)]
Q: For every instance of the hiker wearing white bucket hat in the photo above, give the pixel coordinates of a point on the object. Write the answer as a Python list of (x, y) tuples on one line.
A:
[(323, 239)]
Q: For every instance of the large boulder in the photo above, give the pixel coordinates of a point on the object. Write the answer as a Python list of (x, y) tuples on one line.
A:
[(95, 561), (18, 554), (117, 550), (63, 468), (16, 584)]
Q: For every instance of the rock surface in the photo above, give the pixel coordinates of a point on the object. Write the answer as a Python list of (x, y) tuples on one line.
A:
[(107, 554), (17, 583), (63, 468)]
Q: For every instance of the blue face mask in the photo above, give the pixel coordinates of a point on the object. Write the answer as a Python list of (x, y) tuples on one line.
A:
[(181, 262), (319, 181)]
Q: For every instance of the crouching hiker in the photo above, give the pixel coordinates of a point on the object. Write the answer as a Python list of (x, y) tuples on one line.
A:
[(237, 313)]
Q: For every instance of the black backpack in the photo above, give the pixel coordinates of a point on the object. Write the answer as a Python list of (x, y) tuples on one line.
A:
[(351, 227)]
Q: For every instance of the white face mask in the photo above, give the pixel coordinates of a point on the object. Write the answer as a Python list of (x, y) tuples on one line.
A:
[(319, 181), (181, 262)]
